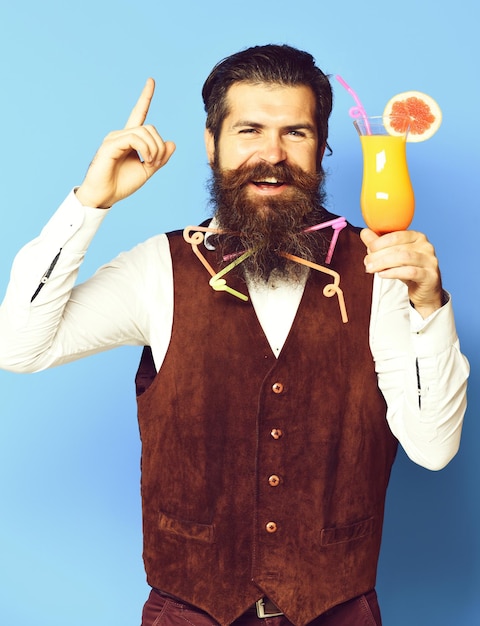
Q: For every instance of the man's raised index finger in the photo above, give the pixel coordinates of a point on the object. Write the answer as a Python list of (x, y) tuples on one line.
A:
[(140, 110)]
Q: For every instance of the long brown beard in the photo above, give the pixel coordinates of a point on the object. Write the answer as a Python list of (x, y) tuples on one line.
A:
[(269, 226)]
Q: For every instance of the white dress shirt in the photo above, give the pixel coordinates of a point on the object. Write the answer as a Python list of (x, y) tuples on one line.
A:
[(421, 371)]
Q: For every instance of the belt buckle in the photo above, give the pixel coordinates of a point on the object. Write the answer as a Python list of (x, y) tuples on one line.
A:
[(265, 608)]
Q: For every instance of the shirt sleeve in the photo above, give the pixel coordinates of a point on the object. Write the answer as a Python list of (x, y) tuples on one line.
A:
[(45, 320), (421, 373)]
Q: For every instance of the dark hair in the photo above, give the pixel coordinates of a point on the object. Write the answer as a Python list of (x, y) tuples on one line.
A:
[(270, 64)]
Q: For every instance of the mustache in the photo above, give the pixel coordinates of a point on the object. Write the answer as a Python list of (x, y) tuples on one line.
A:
[(293, 175)]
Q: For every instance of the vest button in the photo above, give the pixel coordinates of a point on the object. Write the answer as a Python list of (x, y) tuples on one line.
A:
[(274, 480), (271, 527), (277, 388), (276, 433)]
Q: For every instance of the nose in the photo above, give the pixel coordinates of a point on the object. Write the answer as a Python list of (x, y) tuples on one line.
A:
[(273, 150)]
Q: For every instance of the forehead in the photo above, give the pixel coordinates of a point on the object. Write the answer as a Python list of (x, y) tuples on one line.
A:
[(272, 103)]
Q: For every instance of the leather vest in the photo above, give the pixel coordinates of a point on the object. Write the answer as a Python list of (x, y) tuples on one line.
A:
[(264, 476)]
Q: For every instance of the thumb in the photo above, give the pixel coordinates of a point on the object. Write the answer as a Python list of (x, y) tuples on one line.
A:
[(368, 237)]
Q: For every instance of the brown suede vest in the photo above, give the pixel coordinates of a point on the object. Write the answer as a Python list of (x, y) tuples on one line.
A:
[(264, 476)]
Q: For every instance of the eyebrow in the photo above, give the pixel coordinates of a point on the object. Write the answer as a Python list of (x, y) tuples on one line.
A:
[(288, 127)]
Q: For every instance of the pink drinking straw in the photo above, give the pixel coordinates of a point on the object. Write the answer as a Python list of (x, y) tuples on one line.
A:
[(357, 111)]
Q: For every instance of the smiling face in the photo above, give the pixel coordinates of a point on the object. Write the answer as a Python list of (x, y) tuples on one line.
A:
[(267, 124), (266, 187)]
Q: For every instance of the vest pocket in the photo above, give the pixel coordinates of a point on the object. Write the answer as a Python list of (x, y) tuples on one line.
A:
[(342, 534), (186, 528)]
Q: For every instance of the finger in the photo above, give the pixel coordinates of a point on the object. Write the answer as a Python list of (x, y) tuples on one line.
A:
[(151, 167), (161, 157), (144, 139), (169, 149), (140, 110), (159, 151), (368, 237), (401, 258), (128, 144)]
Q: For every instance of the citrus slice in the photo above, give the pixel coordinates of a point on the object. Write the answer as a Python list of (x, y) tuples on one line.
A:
[(415, 110)]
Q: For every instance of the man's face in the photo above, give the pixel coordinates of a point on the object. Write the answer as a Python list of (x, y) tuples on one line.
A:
[(267, 124), (266, 187)]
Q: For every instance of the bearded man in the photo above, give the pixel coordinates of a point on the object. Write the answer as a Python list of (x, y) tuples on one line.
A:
[(269, 423)]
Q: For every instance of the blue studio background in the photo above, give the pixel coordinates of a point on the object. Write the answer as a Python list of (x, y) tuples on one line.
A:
[(70, 526)]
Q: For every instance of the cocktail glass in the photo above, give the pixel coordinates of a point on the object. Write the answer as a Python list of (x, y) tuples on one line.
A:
[(387, 200)]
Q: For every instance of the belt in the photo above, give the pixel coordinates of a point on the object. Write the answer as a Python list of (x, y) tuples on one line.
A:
[(262, 608)]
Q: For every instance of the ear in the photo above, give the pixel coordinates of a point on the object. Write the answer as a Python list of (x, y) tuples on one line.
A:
[(210, 145)]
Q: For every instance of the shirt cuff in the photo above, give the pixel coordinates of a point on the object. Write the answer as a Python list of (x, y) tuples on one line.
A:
[(72, 218), (434, 334)]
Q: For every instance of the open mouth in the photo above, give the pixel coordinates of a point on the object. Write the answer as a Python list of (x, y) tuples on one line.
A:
[(268, 183)]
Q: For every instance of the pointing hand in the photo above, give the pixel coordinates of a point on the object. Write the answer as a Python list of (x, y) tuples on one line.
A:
[(126, 159)]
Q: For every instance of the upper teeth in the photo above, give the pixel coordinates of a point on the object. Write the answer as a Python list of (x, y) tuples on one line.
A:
[(269, 180)]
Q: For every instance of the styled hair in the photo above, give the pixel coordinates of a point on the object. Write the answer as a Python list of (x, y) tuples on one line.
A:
[(269, 64)]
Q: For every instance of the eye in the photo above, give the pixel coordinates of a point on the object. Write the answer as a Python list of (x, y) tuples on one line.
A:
[(300, 134), (248, 131)]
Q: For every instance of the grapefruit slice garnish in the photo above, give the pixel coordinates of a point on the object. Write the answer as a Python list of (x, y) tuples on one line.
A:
[(415, 110)]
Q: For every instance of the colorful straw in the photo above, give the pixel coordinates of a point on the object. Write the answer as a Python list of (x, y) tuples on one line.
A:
[(357, 111)]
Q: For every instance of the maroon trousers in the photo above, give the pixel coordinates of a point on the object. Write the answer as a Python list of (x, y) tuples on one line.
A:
[(162, 611)]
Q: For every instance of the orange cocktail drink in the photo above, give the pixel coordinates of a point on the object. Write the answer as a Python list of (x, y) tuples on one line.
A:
[(387, 200)]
